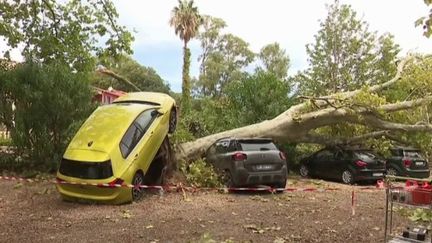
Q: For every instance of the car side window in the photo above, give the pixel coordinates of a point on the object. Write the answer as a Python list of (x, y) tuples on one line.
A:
[(340, 155), (396, 152), (222, 147), (233, 146), (136, 131), (324, 155)]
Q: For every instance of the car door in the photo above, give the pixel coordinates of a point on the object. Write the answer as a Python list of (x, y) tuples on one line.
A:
[(222, 162), (338, 164), (321, 162), (146, 146)]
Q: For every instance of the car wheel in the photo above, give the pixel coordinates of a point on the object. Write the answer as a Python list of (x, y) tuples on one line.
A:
[(137, 181), (227, 179), (172, 121), (280, 185), (347, 177), (392, 172), (304, 171)]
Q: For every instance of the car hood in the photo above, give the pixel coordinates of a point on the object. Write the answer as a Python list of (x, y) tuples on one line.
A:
[(104, 129)]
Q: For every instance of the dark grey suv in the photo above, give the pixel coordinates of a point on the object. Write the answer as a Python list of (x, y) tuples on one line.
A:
[(405, 161), (248, 162)]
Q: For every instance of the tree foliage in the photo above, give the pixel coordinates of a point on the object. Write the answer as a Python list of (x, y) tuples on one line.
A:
[(426, 21), (50, 103), (223, 59), (346, 55), (67, 32), (274, 60)]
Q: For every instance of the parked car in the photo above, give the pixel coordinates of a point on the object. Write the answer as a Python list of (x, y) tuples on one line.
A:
[(116, 145), (248, 162), (346, 164), (405, 161)]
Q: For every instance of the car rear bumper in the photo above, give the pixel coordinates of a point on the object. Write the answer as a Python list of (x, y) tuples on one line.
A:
[(94, 194), (364, 175), (417, 173), (243, 177)]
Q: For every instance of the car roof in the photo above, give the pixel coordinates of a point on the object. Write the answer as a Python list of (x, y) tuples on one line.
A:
[(246, 139), (154, 98)]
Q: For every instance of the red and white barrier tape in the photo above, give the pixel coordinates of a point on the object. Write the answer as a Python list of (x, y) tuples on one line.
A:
[(181, 187)]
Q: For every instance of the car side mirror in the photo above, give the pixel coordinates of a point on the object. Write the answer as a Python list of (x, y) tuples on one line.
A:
[(156, 113)]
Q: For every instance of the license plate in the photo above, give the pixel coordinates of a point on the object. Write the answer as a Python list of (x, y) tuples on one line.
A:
[(377, 174), (418, 163), (264, 167)]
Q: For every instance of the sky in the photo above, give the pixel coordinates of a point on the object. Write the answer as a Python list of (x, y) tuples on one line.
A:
[(259, 22)]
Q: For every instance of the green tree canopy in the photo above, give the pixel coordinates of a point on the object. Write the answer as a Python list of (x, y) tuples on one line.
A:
[(274, 60), (346, 55), (224, 58), (67, 32)]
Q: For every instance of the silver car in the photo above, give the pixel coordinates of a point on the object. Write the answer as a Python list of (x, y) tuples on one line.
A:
[(248, 162)]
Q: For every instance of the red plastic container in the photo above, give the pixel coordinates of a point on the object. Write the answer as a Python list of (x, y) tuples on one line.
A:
[(421, 193)]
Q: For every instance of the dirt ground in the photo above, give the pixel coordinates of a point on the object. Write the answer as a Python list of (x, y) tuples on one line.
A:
[(34, 212)]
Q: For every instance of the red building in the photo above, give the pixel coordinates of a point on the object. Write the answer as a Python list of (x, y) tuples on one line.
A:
[(107, 96)]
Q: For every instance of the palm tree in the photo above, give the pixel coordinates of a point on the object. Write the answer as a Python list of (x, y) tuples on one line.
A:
[(186, 20)]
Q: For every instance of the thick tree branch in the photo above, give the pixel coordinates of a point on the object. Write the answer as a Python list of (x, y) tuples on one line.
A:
[(349, 94), (405, 105), (331, 141), (112, 74)]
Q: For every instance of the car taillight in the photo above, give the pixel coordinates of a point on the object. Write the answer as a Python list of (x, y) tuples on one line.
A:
[(360, 163), (239, 156), (115, 183), (282, 155), (407, 163)]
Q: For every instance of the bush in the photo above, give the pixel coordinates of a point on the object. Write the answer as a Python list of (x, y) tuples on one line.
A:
[(200, 174), (5, 141), (51, 102)]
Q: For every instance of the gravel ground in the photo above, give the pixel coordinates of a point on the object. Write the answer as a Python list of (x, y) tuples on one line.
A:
[(34, 212)]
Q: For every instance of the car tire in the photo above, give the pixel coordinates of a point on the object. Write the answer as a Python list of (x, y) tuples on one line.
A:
[(347, 177), (227, 179), (392, 171), (138, 180), (280, 185), (172, 121), (304, 171)]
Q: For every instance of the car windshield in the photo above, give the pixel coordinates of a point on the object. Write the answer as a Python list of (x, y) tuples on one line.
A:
[(257, 145), (365, 155), (412, 154)]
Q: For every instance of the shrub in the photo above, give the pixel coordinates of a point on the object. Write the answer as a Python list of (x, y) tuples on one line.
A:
[(51, 102), (200, 174)]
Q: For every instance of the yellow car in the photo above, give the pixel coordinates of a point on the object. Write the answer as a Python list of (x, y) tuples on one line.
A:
[(116, 146)]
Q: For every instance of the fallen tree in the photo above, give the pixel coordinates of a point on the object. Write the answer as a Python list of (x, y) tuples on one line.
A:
[(297, 124)]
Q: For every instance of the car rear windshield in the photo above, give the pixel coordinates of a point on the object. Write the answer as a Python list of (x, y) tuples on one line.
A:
[(258, 145), (86, 170), (412, 154), (365, 155)]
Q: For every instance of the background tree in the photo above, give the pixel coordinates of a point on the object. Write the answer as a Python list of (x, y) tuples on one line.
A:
[(186, 20), (274, 60), (223, 60), (51, 103), (426, 21), (65, 32), (346, 55), (145, 78)]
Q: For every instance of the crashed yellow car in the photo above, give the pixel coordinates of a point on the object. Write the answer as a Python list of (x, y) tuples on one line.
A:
[(116, 146)]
